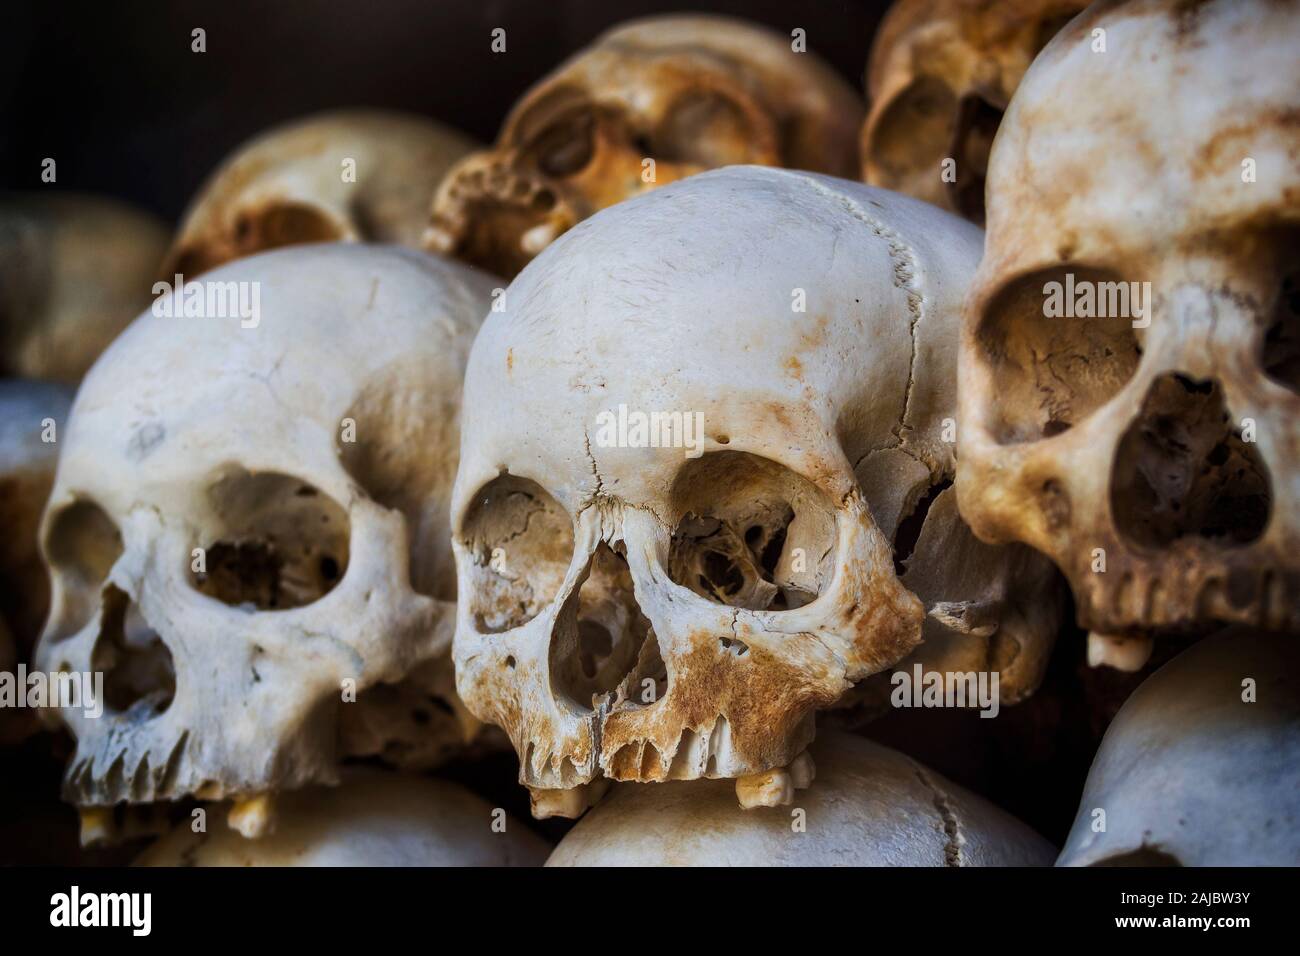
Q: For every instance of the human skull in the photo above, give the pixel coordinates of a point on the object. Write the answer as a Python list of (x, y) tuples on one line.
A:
[(74, 271), (371, 819), (349, 175), (688, 92), (1156, 465), (32, 416), (652, 613), (872, 806), (939, 78), (248, 520), (1201, 767)]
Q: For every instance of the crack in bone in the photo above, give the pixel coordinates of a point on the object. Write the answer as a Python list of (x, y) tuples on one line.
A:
[(951, 824), (905, 273)]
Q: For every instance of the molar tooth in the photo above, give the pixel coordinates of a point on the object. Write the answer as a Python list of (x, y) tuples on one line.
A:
[(772, 788), (253, 817), (1128, 654)]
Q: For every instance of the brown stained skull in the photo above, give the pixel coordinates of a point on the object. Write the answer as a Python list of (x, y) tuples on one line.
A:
[(346, 175), (940, 75), (644, 609), (690, 93), (1153, 453)]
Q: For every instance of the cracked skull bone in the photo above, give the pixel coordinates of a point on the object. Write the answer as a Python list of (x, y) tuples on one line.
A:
[(939, 78), (293, 184), (650, 613), (688, 92), (245, 518), (1151, 452)]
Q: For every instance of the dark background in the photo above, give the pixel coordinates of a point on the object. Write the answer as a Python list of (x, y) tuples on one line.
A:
[(112, 91)]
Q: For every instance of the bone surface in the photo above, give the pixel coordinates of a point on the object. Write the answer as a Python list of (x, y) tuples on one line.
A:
[(247, 531), (939, 78), (1201, 767), (871, 806), (371, 819), (650, 613), (1146, 442), (74, 271), (687, 92), (293, 184)]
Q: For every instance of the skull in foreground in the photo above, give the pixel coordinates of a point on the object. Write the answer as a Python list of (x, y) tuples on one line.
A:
[(674, 599)]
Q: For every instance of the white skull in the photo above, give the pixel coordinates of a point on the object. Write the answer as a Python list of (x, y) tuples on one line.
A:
[(872, 806), (371, 819), (74, 271), (1201, 767), (309, 457), (940, 76), (1158, 466), (350, 175), (638, 614), (646, 104)]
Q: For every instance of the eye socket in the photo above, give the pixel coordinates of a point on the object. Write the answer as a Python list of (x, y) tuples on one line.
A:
[(275, 542), (520, 542), (566, 146), (913, 134), (138, 668), (706, 129), (752, 533), (977, 124), (82, 545), (282, 224), (1050, 371), (1281, 355)]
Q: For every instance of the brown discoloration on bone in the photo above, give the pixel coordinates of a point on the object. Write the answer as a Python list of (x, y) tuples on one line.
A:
[(1193, 521), (764, 698), (691, 93), (937, 68)]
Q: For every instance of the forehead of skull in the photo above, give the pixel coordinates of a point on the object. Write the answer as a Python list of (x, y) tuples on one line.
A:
[(956, 39), (641, 66), (287, 342), (1114, 153), (773, 337), (304, 158)]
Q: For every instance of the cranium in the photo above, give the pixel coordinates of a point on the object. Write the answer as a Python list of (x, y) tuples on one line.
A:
[(1202, 765), (1151, 452), (353, 176), (371, 819), (688, 92), (641, 613), (248, 521), (74, 270), (940, 76), (872, 806)]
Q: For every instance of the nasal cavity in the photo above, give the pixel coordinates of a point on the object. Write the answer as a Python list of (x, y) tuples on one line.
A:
[(599, 634), (1185, 468), (139, 673)]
